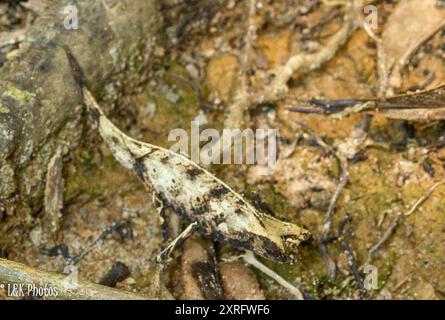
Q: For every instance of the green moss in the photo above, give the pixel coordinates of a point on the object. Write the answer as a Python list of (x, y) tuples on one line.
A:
[(387, 269), (89, 178), (323, 286), (22, 96)]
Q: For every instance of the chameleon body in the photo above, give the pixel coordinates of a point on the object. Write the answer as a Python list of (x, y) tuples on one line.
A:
[(198, 196)]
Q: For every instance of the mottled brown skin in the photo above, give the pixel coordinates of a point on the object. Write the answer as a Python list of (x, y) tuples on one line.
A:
[(198, 196)]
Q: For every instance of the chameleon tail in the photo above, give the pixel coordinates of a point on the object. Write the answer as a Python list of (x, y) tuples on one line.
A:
[(124, 148)]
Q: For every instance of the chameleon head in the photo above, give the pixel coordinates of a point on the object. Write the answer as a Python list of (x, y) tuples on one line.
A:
[(280, 241)]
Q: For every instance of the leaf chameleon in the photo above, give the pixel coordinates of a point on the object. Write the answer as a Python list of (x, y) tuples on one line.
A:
[(212, 207)]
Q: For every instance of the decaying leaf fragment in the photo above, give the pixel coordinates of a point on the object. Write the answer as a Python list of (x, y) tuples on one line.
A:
[(219, 212), (408, 27), (54, 192), (425, 105)]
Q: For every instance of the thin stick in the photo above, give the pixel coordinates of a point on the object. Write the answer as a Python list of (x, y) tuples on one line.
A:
[(17, 273), (350, 256), (242, 98), (249, 39), (76, 259), (341, 185), (178, 240), (344, 177), (250, 259), (399, 218)]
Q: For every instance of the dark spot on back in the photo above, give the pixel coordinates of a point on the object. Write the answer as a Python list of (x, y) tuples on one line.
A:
[(260, 204), (219, 219), (201, 209), (173, 191), (240, 241), (164, 159), (192, 173), (272, 251), (139, 168), (219, 192), (178, 209)]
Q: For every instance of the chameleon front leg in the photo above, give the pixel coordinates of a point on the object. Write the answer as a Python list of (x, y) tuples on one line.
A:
[(166, 253), (159, 205)]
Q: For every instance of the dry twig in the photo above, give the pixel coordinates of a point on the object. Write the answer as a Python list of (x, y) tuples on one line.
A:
[(351, 260), (330, 264), (250, 259)]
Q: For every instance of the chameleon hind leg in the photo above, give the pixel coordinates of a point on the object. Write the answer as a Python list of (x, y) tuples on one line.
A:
[(166, 253), (164, 220)]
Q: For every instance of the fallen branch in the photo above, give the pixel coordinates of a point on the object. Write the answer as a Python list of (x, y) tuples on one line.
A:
[(66, 286)]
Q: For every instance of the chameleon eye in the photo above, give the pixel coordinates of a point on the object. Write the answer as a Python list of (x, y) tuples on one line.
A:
[(294, 241)]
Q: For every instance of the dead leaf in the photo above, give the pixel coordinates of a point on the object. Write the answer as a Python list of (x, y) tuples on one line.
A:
[(54, 192), (422, 106), (409, 26)]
